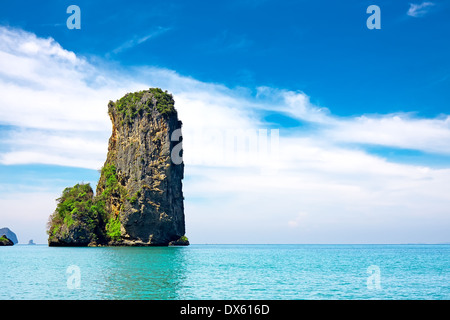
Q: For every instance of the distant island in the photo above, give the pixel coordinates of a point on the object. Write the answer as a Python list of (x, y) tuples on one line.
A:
[(5, 241), (6, 233), (139, 198)]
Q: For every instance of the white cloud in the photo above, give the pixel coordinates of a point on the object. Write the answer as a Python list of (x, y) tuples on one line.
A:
[(294, 104), (56, 102), (400, 131), (419, 10)]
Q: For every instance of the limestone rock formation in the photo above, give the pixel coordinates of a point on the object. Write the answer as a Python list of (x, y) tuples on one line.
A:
[(139, 198), (143, 188)]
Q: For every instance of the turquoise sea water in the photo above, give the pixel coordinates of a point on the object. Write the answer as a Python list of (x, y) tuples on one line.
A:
[(227, 272)]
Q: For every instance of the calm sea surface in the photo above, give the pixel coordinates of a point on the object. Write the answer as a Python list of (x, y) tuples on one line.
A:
[(227, 272)]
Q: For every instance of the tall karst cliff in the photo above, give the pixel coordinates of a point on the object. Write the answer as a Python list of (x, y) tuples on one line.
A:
[(142, 185), (139, 198)]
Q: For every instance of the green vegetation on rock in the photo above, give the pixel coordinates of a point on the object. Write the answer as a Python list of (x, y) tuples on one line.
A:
[(112, 188), (5, 241), (143, 101), (113, 229), (80, 218), (164, 101), (182, 241), (76, 215)]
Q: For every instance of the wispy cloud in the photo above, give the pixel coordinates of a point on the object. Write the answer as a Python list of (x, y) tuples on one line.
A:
[(47, 94), (137, 40), (419, 10)]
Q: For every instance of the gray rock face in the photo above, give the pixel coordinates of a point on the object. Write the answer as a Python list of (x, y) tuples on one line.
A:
[(9, 234), (143, 186)]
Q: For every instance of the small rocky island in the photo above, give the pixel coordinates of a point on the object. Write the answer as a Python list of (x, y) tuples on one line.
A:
[(8, 235), (5, 241), (139, 198)]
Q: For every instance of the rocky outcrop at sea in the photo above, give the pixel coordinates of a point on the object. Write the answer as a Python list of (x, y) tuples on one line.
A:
[(139, 197)]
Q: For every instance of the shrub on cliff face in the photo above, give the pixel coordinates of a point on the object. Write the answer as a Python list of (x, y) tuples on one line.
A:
[(81, 219), (115, 189), (113, 229), (76, 217)]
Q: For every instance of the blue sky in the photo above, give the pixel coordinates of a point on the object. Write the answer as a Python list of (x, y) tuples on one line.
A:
[(306, 45), (362, 114)]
